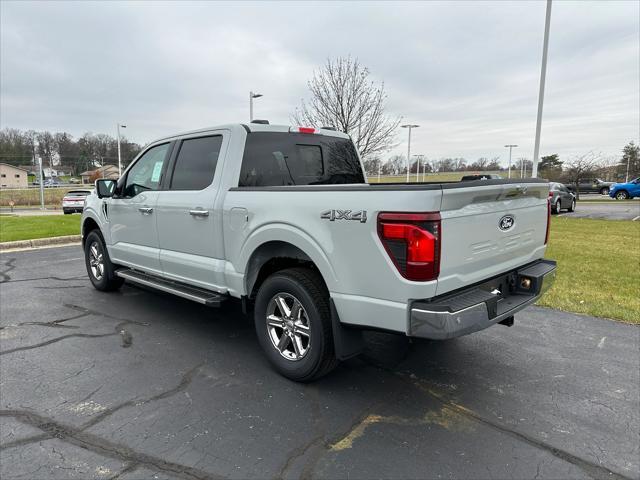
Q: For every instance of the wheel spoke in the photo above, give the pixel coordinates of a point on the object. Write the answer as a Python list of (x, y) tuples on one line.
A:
[(282, 305), (296, 311), (302, 329), (274, 321), (284, 342), (94, 251), (297, 346)]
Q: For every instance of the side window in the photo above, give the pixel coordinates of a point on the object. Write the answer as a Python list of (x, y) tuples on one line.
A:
[(146, 173), (196, 163)]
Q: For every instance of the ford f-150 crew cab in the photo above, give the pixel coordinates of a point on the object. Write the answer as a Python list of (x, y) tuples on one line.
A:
[(283, 219)]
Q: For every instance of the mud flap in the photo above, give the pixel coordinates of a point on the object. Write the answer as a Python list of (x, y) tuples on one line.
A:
[(348, 342)]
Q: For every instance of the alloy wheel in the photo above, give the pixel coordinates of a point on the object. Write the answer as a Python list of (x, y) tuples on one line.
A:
[(96, 261), (288, 326)]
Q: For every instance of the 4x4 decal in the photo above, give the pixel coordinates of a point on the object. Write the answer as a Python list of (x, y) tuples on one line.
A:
[(332, 215)]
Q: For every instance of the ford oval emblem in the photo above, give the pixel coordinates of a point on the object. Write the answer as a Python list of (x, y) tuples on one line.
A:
[(506, 223)]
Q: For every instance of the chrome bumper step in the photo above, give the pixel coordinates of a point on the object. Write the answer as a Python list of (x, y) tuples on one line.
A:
[(200, 295)]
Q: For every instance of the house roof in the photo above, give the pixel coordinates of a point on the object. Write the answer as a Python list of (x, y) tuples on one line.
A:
[(106, 168), (13, 166)]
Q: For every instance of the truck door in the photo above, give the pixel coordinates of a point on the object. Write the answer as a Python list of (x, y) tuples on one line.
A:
[(189, 229), (131, 215)]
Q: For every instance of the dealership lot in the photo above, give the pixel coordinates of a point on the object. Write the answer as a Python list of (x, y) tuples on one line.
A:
[(144, 385), (607, 210)]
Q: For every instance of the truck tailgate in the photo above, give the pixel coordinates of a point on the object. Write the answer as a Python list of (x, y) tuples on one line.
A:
[(489, 230)]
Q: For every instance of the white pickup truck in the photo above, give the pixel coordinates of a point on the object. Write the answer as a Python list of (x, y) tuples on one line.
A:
[(283, 218)]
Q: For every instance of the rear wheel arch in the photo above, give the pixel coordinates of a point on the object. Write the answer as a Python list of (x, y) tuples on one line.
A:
[(271, 257)]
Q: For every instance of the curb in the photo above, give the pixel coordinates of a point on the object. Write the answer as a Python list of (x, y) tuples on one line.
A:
[(39, 242)]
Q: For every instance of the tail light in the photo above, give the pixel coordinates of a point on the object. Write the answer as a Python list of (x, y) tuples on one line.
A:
[(412, 241), (546, 235), (303, 129)]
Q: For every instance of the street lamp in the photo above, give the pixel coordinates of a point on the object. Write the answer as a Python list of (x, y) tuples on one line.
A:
[(119, 126), (419, 158), (543, 75), (251, 97), (510, 147), (409, 126)]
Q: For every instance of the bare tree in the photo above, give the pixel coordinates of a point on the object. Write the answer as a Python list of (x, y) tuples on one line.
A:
[(581, 166), (343, 97)]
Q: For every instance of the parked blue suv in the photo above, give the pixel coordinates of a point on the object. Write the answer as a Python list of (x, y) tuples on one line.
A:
[(622, 191)]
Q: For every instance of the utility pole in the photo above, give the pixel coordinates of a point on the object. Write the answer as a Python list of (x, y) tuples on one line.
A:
[(41, 183), (251, 97), (379, 167), (409, 148), (119, 157), (543, 75), (418, 160), (510, 147)]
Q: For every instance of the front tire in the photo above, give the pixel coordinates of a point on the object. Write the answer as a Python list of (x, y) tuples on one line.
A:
[(572, 208), (622, 195), (293, 324), (99, 267)]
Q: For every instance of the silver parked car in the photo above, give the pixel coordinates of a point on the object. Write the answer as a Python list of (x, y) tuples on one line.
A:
[(561, 197)]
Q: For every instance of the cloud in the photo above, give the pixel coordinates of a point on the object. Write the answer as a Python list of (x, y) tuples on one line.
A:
[(466, 72)]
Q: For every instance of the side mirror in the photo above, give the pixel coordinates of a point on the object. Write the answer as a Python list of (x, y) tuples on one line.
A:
[(105, 187)]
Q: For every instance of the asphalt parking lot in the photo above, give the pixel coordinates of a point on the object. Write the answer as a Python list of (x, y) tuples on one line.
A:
[(606, 210), (138, 385)]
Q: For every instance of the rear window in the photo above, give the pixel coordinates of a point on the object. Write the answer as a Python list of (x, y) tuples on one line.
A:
[(278, 158), (78, 193)]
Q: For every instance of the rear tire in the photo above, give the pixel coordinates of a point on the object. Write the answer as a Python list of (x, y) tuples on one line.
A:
[(622, 195), (99, 267), (604, 191), (296, 336)]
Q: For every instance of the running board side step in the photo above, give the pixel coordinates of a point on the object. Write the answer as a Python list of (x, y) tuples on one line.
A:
[(200, 295)]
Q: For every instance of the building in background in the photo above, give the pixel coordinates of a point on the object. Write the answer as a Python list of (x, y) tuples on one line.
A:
[(13, 177), (108, 171)]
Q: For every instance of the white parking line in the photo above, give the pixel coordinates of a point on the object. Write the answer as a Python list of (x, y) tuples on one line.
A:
[(636, 218)]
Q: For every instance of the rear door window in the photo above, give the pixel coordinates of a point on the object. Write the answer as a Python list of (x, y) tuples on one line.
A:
[(280, 158), (196, 163)]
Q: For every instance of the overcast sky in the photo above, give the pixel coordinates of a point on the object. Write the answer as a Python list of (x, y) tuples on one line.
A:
[(468, 73)]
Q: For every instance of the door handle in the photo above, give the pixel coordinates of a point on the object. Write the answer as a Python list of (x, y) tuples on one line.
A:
[(199, 213), (145, 210)]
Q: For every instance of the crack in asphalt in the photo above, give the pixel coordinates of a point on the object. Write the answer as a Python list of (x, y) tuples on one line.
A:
[(4, 274), (595, 471), (79, 437), (52, 323), (183, 385), (104, 447), (58, 339), (7, 279), (318, 439)]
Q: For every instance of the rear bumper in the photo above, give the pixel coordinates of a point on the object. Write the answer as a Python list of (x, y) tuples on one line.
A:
[(478, 307)]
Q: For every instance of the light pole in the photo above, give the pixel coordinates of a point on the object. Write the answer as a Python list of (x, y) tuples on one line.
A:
[(251, 97), (119, 126), (419, 159), (409, 126), (510, 147), (543, 75)]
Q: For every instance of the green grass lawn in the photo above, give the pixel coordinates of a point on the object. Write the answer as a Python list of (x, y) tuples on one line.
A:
[(598, 268), (27, 228)]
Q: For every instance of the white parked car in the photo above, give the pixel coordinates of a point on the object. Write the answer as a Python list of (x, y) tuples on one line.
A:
[(73, 201), (283, 218)]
